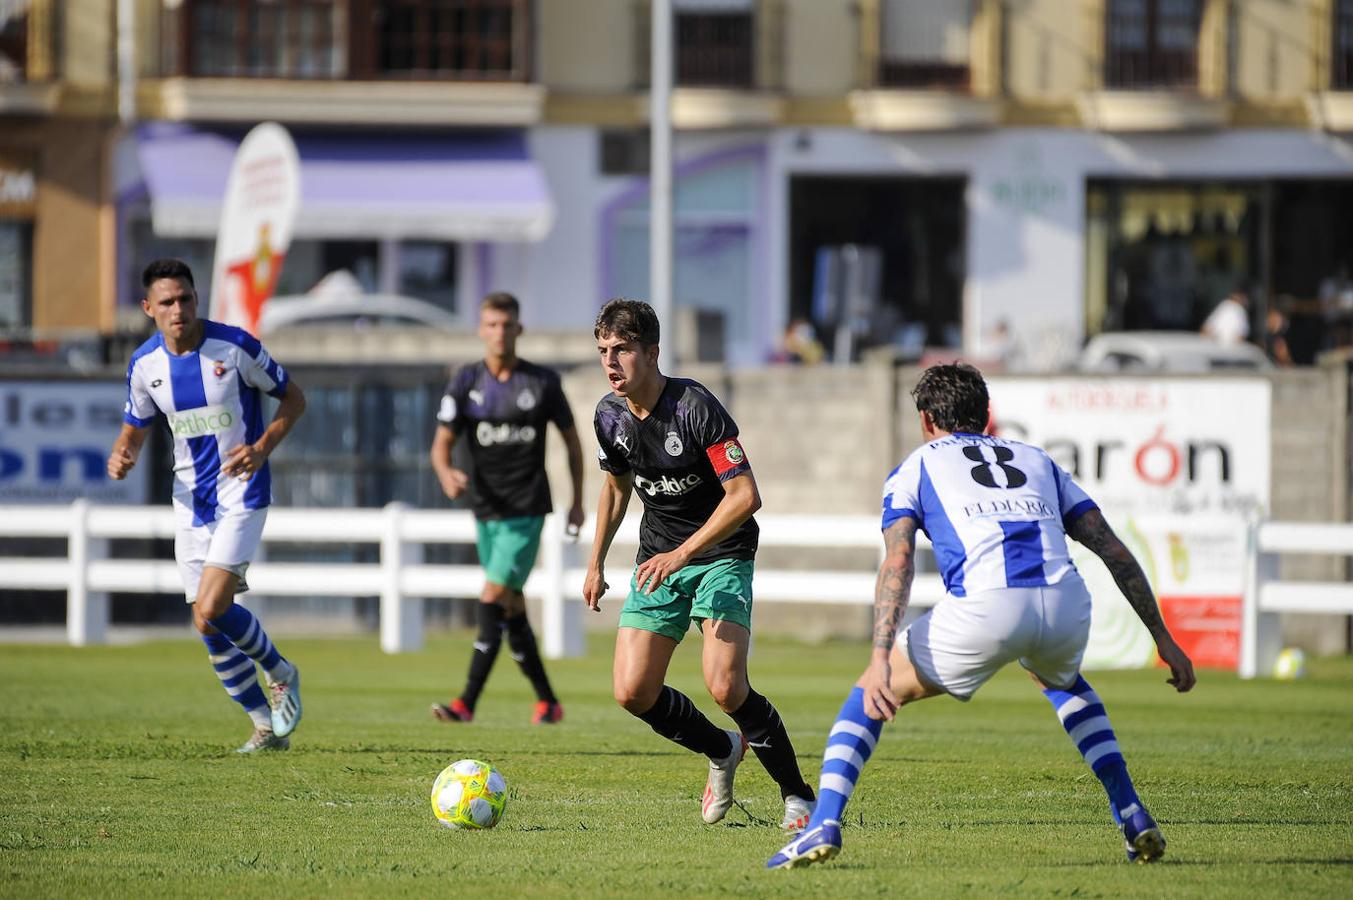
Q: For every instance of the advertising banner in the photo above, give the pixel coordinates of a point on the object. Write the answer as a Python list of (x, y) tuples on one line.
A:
[(262, 196), (1177, 465), (54, 442)]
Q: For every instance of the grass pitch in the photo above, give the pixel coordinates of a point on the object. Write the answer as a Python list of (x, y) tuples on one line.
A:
[(119, 780)]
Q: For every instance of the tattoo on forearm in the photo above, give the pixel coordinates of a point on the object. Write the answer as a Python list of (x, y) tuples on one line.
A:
[(1092, 531), (893, 588)]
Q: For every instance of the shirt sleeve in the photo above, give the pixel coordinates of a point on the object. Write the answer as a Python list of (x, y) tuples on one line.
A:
[(901, 493), (608, 456), (717, 434), (140, 409), (1072, 499), (451, 410), (556, 404), (260, 370)]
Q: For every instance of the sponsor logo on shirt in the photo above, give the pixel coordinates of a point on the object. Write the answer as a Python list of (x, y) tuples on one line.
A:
[(477, 397), (489, 434), (669, 485), (1028, 506), (157, 382), (200, 422), (673, 444)]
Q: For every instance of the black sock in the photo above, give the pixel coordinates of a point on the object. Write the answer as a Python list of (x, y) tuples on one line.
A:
[(766, 735), (486, 645), (675, 717), (521, 640)]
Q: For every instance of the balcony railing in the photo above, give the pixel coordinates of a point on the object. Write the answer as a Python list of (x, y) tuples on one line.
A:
[(454, 40), (1152, 44)]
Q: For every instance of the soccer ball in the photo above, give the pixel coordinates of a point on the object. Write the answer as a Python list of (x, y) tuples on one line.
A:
[(469, 794), (1290, 665)]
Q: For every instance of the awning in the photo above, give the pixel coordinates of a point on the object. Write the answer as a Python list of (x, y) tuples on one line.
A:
[(456, 186)]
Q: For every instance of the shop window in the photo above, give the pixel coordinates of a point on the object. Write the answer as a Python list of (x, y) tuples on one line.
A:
[(1341, 77), (264, 38), (16, 275), (427, 270), (624, 152), (923, 44), (1152, 44), (715, 43)]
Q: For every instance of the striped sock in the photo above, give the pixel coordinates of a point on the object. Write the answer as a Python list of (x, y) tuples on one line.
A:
[(238, 677), (246, 632), (1083, 716), (849, 745)]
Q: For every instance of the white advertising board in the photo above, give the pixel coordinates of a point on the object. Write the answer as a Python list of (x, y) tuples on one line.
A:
[(1176, 465), (54, 442)]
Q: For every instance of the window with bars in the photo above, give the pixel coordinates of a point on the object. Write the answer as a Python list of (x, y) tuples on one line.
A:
[(470, 40), (1152, 44), (925, 45), (1341, 72), (715, 43)]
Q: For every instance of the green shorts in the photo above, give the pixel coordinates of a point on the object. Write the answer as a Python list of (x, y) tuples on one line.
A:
[(507, 548), (719, 590)]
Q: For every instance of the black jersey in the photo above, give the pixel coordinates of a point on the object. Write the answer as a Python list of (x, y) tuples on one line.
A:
[(505, 421), (680, 456)]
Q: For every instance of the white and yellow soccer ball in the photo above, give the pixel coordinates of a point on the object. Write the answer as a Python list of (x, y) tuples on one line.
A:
[(1290, 664), (469, 794)]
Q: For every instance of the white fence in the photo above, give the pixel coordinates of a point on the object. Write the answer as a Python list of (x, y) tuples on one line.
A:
[(400, 578), (1266, 596)]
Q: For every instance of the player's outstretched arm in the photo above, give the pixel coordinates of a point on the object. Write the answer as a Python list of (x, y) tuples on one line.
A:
[(1092, 531), (741, 499), (126, 450), (611, 506), (453, 480), (575, 471), (246, 459), (892, 593)]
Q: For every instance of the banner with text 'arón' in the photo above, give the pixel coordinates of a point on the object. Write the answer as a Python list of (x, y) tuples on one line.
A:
[(262, 196)]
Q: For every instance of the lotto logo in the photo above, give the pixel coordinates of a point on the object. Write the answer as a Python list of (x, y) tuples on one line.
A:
[(200, 422)]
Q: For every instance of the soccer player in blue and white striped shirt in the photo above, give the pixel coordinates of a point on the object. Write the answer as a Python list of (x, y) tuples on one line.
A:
[(207, 380), (998, 513)]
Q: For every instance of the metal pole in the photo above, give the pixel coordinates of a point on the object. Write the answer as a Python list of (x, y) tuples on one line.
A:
[(660, 173), (126, 61)]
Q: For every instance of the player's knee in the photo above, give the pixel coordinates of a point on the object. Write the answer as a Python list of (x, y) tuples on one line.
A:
[(201, 623), (635, 699), (727, 690), (495, 593)]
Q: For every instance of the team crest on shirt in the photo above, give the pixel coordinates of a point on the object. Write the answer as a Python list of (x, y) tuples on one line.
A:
[(218, 368), (673, 444), (526, 400), (733, 452)]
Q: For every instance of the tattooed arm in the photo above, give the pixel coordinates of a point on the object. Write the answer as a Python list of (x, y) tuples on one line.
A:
[(1092, 531), (892, 591)]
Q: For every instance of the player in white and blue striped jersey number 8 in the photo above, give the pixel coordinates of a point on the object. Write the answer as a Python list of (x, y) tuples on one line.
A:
[(998, 513), (206, 379)]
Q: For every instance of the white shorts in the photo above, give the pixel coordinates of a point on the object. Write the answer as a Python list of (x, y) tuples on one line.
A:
[(962, 641), (228, 543)]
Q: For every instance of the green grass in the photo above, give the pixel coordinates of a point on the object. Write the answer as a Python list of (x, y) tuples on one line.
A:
[(117, 779)]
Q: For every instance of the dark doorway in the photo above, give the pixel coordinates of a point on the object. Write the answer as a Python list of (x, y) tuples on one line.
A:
[(917, 228)]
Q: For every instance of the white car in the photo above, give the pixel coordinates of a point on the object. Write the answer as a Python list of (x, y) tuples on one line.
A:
[(355, 310), (1167, 352)]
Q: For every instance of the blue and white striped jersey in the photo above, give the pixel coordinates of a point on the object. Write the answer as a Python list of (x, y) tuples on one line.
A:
[(995, 510), (210, 397)]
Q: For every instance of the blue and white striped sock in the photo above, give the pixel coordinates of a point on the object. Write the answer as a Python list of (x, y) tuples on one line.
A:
[(1083, 716), (849, 746), (239, 677), (246, 633)]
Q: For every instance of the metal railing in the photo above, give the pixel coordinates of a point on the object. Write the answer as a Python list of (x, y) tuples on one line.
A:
[(400, 578), (1266, 596)]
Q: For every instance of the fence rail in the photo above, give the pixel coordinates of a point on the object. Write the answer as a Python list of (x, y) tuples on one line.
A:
[(399, 578), (1266, 596)]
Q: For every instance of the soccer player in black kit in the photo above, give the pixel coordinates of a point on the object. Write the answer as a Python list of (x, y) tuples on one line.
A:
[(673, 442), (503, 405)]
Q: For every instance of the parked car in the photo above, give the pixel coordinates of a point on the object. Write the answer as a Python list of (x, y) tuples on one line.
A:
[(1167, 352), (338, 300)]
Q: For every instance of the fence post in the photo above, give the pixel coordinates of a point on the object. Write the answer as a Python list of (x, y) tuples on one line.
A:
[(561, 618), (401, 617), (1260, 632), (86, 610)]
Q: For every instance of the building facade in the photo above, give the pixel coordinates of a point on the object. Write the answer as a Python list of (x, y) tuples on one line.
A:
[(996, 177)]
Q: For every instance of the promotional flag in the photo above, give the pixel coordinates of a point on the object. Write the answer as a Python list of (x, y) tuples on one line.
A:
[(262, 195)]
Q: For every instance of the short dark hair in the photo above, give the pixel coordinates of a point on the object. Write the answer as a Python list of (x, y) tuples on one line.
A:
[(166, 268), (955, 396), (630, 320), (501, 301)]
